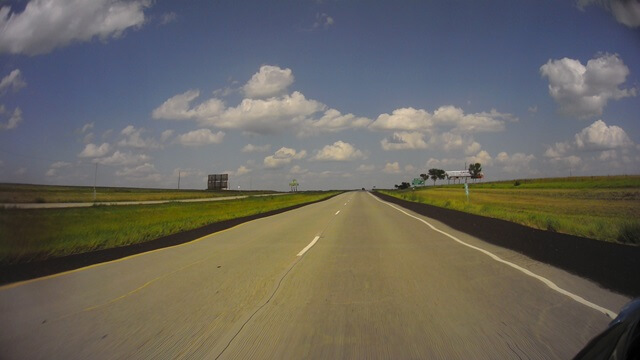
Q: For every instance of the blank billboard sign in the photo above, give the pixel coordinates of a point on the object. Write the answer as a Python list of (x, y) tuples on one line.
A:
[(218, 182)]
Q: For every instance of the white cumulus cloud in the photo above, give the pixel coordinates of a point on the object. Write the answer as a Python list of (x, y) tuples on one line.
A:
[(444, 163), (323, 21), (445, 117), (168, 18), (261, 116), (133, 138), (200, 137), (391, 168), (593, 147), (55, 167), (599, 136), (571, 161), (179, 107), (626, 12), (268, 81), (242, 170), (404, 140), (338, 151), (86, 127), (366, 168), (333, 121), (47, 24), (282, 157), (266, 116), (250, 148), (267, 109), (14, 119), (12, 81), (124, 158), (94, 151), (298, 170), (481, 157), (404, 119), (557, 150), (166, 135), (515, 163), (140, 170), (583, 91)]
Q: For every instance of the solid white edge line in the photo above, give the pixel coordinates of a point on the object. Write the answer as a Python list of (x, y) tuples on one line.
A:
[(313, 242), (544, 280)]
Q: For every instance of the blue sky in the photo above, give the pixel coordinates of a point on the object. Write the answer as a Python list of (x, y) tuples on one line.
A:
[(337, 94)]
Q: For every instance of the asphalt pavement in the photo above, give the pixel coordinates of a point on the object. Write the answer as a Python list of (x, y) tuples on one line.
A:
[(347, 278)]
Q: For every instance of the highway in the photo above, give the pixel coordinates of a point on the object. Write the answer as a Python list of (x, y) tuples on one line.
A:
[(347, 278), (116, 203)]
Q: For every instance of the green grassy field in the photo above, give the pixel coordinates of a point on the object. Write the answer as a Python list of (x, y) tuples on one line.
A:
[(28, 235), (25, 193), (603, 208)]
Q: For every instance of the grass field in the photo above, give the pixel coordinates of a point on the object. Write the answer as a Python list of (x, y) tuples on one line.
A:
[(603, 208), (24, 193), (28, 235)]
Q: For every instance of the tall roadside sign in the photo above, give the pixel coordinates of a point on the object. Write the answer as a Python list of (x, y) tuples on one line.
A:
[(218, 182)]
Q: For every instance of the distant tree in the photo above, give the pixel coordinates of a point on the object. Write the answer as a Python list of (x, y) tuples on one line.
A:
[(424, 177), (475, 170), (404, 185), (294, 185), (436, 174)]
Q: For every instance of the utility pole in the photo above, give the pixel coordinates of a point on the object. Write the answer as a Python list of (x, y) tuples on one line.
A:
[(178, 180), (95, 180)]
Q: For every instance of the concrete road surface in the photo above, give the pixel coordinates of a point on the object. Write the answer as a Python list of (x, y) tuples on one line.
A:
[(347, 278)]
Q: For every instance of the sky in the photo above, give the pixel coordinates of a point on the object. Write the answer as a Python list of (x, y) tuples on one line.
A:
[(336, 94)]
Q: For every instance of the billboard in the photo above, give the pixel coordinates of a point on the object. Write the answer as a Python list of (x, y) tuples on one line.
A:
[(218, 182), (456, 174)]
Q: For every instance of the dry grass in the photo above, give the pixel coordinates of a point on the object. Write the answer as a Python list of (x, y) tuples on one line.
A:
[(590, 208)]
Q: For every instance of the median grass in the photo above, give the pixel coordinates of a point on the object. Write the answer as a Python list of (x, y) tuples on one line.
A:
[(602, 208), (26, 193), (37, 234)]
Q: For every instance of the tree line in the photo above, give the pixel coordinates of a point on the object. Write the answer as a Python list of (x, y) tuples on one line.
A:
[(475, 170)]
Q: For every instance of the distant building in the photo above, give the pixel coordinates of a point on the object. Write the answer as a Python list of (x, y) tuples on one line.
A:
[(218, 182)]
